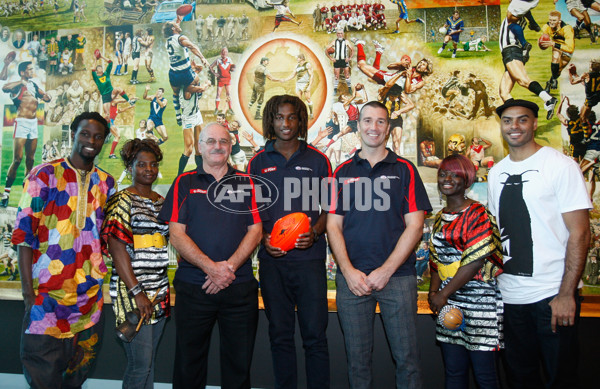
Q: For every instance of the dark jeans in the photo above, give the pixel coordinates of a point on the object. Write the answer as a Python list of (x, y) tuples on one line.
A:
[(457, 360), (286, 285), (52, 363), (236, 311), (529, 340), (141, 353)]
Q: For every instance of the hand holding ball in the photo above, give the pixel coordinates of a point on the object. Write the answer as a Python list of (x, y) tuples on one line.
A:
[(287, 229), (443, 30), (97, 54), (451, 318), (544, 41)]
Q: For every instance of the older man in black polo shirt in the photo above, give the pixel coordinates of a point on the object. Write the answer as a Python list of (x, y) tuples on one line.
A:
[(214, 226), (374, 224)]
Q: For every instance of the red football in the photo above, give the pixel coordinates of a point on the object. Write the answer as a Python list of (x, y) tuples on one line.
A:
[(287, 229), (330, 50), (11, 56), (97, 53), (573, 70), (184, 9), (544, 38)]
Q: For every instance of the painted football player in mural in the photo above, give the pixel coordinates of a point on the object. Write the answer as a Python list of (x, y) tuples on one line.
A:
[(282, 9), (515, 55), (403, 15), (454, 26), (102, 79), (25, 94), (181, 74), (157, 106), (591, 81), (304, 80), (224, 66), (562, 42), (340, 52), (579, 9)]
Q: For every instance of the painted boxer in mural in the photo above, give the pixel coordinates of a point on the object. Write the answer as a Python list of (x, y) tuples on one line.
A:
[(25, 94)]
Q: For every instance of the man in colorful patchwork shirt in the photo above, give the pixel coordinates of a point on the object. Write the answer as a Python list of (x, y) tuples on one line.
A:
[(60, 258)]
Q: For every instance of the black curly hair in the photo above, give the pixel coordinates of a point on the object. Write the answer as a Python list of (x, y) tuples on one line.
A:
[(133, 147), (271, 109), (90, 116)]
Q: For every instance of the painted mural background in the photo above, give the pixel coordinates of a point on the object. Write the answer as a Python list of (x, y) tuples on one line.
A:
[(450, 103)]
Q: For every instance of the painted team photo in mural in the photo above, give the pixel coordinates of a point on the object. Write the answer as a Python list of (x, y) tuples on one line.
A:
[(440, 68)]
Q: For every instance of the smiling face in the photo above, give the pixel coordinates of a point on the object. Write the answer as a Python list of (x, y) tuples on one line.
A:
[(144, 168), (88, 140), (518, 125), (554, 22), (215, 145), (373, 127), (286, 123), (450, 183)]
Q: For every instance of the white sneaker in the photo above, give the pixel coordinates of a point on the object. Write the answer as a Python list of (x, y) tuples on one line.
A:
[(440, 50), (378, 47), (453, 55)]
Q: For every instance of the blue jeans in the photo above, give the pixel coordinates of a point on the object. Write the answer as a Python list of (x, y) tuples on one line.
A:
[(421, 267), (51, 363), (529, 340), (141, 353), (235, 309), (286, 285), (457, 360), (398, 305)]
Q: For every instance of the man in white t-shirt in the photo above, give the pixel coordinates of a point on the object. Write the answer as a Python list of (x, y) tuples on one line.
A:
[(539, 198)]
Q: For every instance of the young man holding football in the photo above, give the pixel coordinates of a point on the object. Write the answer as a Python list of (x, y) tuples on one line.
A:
[(295, 278)]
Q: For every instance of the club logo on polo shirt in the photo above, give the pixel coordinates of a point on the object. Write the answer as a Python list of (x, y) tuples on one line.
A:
[(203, 191), (242, 193), (269, 169), (351, 180), (307, 169), (384, 177)]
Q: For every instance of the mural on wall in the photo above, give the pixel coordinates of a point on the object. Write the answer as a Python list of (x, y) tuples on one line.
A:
[(436, 65)]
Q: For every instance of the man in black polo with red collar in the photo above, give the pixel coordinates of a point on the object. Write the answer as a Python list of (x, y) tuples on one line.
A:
[(296, 278), (375, 222), (215, 227)]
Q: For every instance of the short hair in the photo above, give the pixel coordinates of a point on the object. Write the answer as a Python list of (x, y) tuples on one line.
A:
[(573, 112), (133, 147), (461, 166), (162, 89), (168, 29), (263, 59), (221, 115), (302, 56), (90, 116), (595, 64), (271, 109), (150, 31), (375, 104), (23, 66), (555, 13)]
